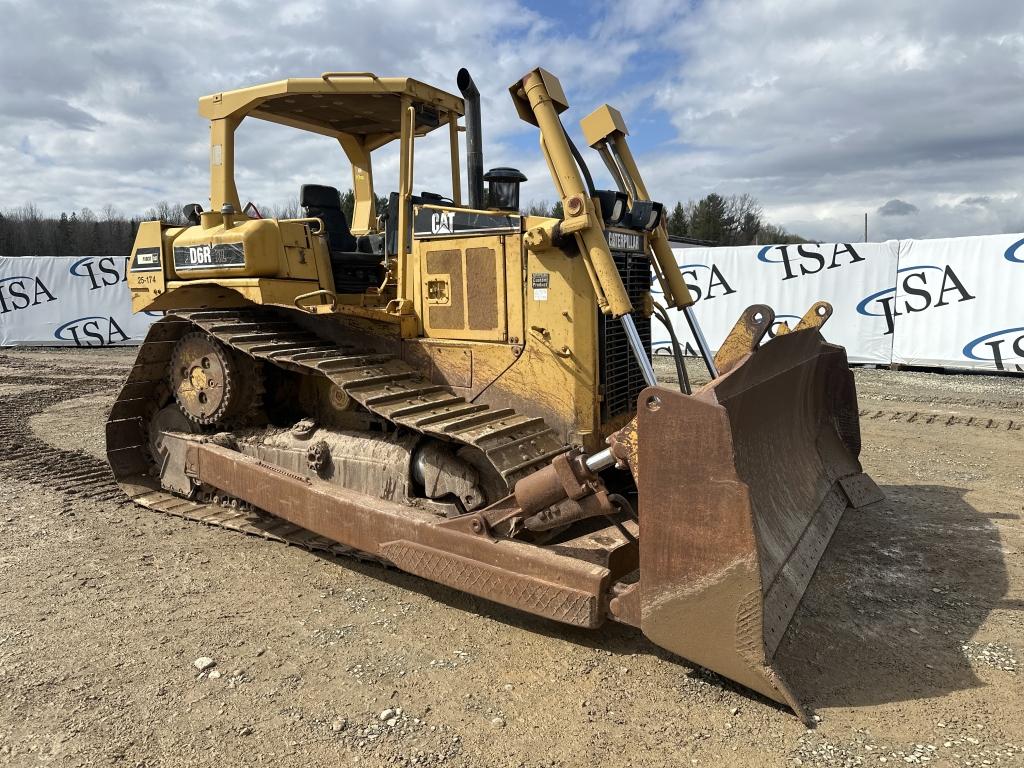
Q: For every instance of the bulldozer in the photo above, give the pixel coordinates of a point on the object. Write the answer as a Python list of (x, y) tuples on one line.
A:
[(466, 393)]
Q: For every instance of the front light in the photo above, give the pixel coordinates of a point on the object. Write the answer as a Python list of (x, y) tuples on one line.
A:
[(657, 211), (613, 205), (645, 214)]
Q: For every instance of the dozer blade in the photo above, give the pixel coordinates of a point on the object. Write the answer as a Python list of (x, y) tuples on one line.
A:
[(741, 487)]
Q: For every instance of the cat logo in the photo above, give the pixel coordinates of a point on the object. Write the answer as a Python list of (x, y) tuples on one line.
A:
[(442, 223)]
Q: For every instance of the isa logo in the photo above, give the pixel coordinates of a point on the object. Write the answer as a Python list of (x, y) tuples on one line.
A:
[(1004, 349), (703, 281), (1013, 253), (808, 258), (100, 271), (921, 287), (22, 292), (93, 331)]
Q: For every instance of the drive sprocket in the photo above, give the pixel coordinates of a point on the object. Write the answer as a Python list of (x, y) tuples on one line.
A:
[(212, 383)]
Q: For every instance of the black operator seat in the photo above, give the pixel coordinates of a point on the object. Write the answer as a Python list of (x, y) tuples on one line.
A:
[(354, 263), (322, 202)]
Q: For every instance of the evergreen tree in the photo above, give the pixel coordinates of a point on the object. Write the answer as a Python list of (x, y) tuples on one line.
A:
[(711, 220), (64, 242), (677, 222)]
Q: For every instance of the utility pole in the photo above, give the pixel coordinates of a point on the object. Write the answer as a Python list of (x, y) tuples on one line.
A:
[(865, 226)]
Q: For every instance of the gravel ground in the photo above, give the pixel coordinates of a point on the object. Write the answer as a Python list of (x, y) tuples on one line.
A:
[(909, 644)]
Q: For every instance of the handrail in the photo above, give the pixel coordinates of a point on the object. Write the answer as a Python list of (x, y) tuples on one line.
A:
[(312, 219), (333, 300), (330, 75)]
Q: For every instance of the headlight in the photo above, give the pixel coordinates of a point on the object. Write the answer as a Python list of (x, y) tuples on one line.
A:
[(613, 205), (645, 214)]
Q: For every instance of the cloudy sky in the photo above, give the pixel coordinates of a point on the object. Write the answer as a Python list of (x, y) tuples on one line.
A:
[(822, 109)]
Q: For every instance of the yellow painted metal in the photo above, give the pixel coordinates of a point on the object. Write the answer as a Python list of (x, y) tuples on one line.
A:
[(222, 163), (363, 105), (815, 317), (745, 336), (605, 131), (145, 286), (362, 111), (453, 151), (603, 122), (364, 212), (407, 281), (506, 344), (558, 369), (272, 249), (542, 94), (227, 292), (287, 251), (550, 85), (462, 287)]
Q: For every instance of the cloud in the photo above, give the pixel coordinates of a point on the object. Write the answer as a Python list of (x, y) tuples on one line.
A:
[(898, 208), (117, 119), (824, 109), (821, 109), (979, 200)]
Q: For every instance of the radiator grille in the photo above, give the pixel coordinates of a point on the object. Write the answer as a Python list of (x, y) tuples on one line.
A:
[(621, 378)]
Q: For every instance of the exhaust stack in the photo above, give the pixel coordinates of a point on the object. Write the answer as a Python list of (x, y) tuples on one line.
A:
[(474, 138)]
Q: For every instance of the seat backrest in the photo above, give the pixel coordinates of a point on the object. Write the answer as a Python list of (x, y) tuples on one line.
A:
[(323, 202)]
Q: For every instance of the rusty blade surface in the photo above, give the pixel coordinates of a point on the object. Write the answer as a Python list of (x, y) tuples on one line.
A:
[(741, 488)]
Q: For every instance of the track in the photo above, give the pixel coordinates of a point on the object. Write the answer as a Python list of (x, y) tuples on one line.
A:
[(79, 475), (514, 444)]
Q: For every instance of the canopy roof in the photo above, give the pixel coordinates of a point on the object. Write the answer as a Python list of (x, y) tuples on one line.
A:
[(337, 103)]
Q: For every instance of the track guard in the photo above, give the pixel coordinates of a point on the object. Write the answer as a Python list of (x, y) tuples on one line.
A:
[(741, 487)]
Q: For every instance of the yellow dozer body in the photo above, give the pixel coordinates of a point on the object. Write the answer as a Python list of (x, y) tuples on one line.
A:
[(466, 393)]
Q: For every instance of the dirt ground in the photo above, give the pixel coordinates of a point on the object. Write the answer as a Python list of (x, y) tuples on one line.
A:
[(909, 644)]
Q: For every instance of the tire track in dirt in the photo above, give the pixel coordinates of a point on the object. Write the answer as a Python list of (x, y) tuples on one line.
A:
[(25, 457), (943, 419)]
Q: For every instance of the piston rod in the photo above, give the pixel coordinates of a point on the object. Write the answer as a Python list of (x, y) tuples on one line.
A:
[(702, 343), (639, 352), (604, 459), (600, 460)]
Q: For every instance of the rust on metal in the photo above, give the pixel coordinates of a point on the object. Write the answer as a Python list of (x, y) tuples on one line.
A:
[(512, 573), (742, 488), (815, 317), (744, 337)]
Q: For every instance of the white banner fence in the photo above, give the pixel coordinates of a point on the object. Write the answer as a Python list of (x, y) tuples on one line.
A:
[(954, 303), (67, 301)]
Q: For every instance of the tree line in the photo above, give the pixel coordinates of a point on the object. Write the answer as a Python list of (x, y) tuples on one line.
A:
[(715, 219), (25, 231)]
